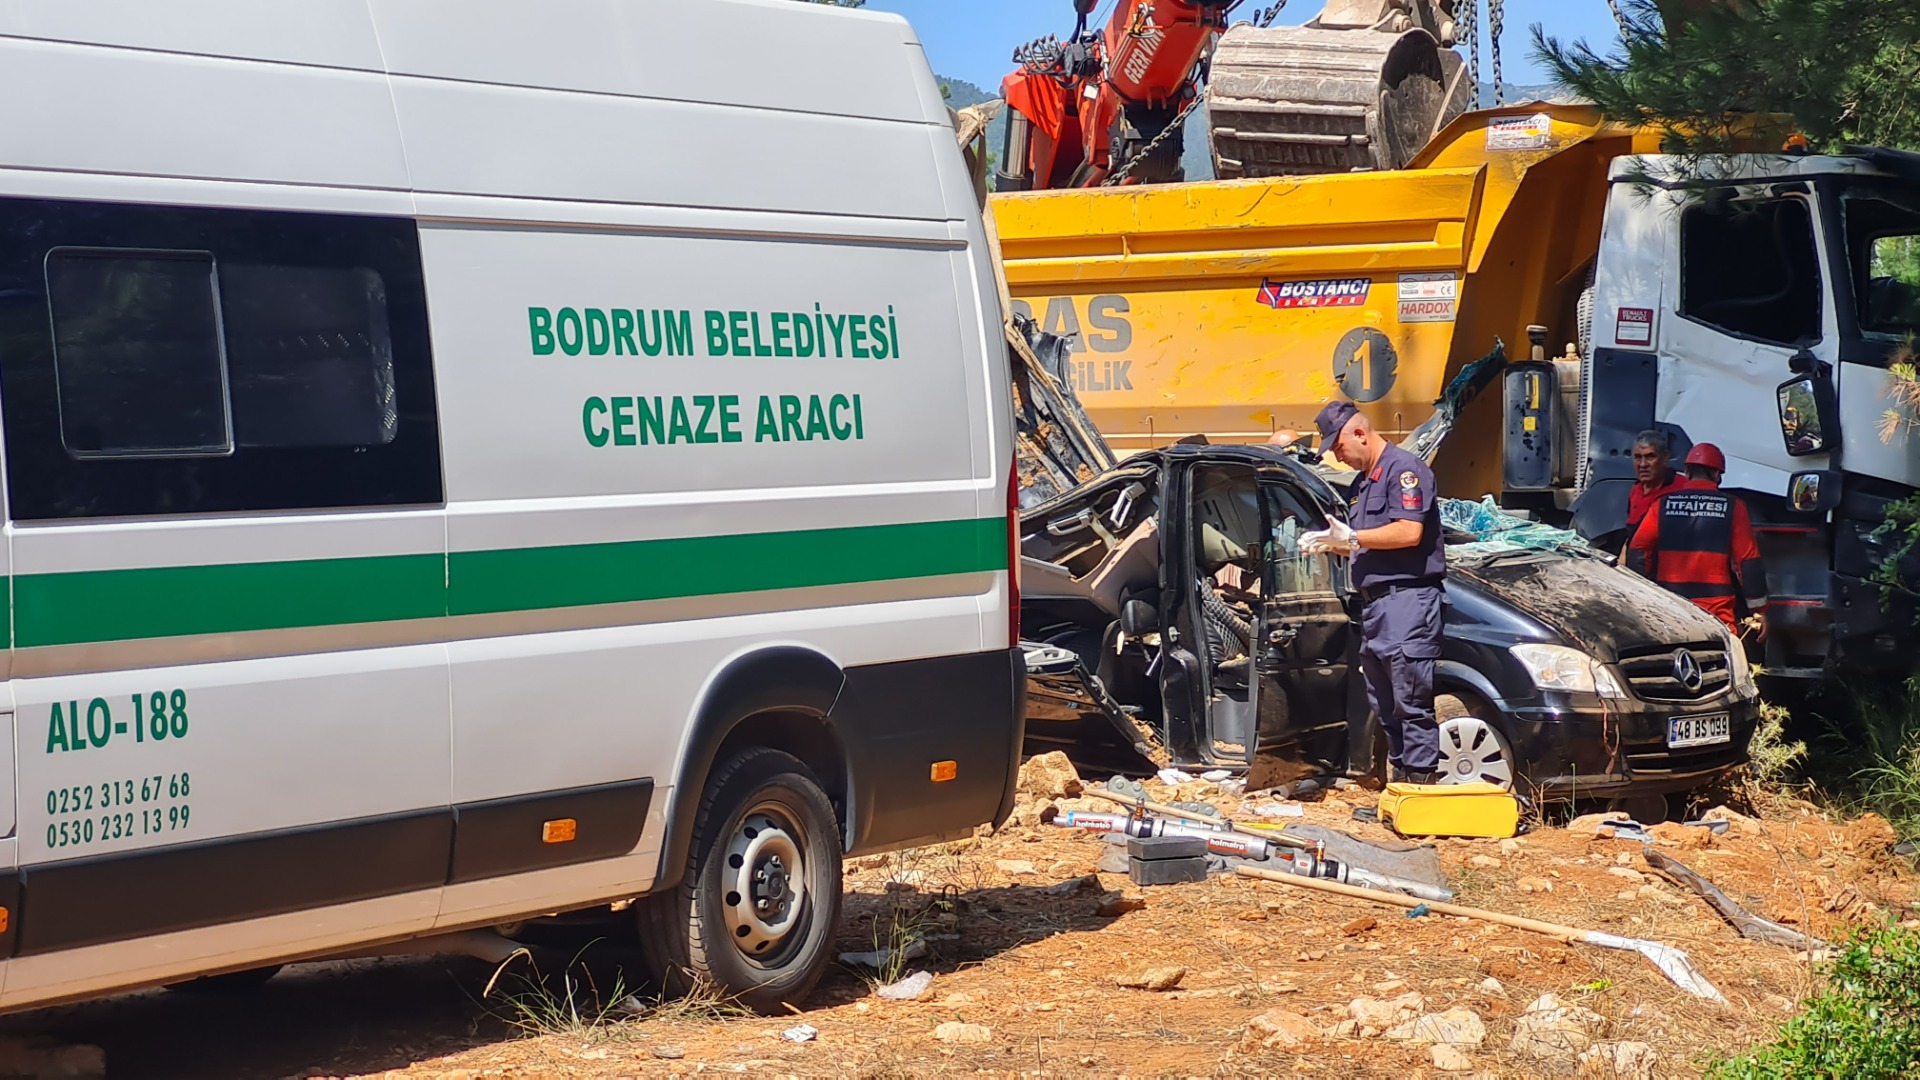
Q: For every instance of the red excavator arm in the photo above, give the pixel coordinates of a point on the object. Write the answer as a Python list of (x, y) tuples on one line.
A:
[(1082, 109)]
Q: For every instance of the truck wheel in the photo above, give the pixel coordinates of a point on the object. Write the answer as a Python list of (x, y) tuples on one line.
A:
[(755, 915), (1471, 748)]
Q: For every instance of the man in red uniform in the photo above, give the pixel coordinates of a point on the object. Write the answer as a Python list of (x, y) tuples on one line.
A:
[(1652, 474), (1698, 542)]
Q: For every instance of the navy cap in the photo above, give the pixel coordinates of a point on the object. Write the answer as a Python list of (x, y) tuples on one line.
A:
[(1333, 418)]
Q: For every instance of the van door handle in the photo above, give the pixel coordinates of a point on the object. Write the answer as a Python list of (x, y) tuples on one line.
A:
[(1283, 635)]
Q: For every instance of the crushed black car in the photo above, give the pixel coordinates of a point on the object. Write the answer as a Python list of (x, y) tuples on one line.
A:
[(1170, 618)]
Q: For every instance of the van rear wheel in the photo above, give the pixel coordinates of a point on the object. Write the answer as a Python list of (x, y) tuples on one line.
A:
[(755, 915)]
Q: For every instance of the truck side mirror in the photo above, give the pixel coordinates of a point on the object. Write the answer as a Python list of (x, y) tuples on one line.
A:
[(1808, 422), (1138, 619), (1814, 492)]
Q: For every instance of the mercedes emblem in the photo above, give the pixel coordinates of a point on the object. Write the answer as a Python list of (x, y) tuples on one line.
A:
[(1686, 669)]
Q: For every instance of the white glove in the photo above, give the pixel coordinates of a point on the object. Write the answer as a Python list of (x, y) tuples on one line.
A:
[(1336, 540), (1341, 533)]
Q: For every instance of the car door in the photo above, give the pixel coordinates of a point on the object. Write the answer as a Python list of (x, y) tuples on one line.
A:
[(1305, 644)]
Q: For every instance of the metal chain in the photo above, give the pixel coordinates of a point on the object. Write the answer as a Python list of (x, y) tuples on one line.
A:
[(1263, 17), (1619, 16), (1470, 33), (1179, 121), (1496, 18)]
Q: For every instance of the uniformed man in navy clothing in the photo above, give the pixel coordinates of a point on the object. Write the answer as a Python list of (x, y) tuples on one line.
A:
[(1394, 537)]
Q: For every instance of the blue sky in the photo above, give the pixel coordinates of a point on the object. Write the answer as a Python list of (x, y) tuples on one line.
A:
[(972, 39)]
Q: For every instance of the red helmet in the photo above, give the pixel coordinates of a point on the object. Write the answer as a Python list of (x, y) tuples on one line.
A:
[(1709, 455)]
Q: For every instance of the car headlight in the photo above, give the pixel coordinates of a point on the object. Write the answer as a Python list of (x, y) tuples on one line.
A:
[(1557, 667), (1743, 684)]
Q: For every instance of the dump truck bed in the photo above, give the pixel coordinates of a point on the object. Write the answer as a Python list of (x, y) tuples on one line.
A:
[(1235, 309)]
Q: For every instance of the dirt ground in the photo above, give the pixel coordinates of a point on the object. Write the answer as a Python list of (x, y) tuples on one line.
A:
[(1028, 952)]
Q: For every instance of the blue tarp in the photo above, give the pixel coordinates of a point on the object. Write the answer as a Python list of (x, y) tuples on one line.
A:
[(1496, 530)]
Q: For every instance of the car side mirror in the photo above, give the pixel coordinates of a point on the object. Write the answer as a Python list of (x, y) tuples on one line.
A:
[(1808, 417), (1138, 619), (1814, 492)]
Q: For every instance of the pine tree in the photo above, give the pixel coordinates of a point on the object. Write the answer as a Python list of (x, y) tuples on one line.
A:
[(1838, 72)]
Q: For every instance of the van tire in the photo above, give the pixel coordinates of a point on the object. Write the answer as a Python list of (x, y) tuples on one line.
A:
[(760, 810)]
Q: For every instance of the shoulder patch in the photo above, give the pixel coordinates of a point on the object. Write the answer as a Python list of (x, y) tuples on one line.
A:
[(1409, 480)]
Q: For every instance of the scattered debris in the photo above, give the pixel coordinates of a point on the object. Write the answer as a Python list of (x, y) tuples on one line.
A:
[(1214, 776), (1751, 926), (1278, 1029), (1534, 885), (881, 959), (1673, 963), (1275, 809), (1623, 1060), (1174, 777), (1455, 1027), (1374, 1016), (953, 1031), (1050, 776), (800, 1033), (1550, 1028), (912, 988), (1156, 978)]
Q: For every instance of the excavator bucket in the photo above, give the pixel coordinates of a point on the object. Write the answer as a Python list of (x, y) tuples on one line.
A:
[(1299, 100)]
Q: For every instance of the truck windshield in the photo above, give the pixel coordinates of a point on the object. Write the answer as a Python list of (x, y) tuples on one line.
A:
[(1883, 248)]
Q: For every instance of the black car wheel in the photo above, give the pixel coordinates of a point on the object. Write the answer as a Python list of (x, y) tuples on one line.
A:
[(754, 917)]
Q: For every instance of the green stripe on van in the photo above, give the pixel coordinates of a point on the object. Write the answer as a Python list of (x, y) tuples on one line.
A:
[(118, 605), (483, 582)]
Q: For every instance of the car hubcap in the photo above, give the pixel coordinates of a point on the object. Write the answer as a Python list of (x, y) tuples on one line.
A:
[(1471, 750), (766, 883)]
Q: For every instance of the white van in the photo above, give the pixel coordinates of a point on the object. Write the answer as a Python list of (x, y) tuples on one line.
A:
[(471, 459)]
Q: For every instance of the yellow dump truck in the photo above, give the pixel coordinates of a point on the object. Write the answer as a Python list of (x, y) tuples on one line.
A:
[(1755, 302)]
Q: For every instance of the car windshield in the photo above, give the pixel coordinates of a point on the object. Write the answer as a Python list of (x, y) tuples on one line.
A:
[(1883, 248)]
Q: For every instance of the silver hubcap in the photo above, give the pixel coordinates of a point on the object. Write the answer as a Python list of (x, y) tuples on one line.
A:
[(766, 882), (1471, 750)]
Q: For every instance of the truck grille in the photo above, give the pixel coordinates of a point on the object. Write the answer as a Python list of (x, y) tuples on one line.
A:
[(1685, 673)]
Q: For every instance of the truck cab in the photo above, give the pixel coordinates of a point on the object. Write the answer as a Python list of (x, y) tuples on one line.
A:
[(1758, 303)]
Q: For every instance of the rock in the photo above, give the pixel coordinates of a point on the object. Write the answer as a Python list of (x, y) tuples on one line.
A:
[(1534, 885), (1083, 883), (1550, 1028), (1028, 812), (1625, 1060), (1156, 977), (1627, 873), (1450, 1058), (1377, 1015), (1491, 985), (1457, 1027), (1120, 905), (1252, 915), (1685, 837), (955, 1001), (953, 1031), (1278, 1029), (1050, 776), (800, 1033), (1015, 867), (1869, 835), (912, 988), (1345, 1029), (1484, 862), (1360, 925), (1391, 986), (1589, 824), (669, 1053), (1738, 824), (1509, 848)]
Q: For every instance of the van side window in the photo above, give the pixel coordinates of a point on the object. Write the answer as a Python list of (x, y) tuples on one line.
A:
[(1752, 269), (136, 352), (180, 360)]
